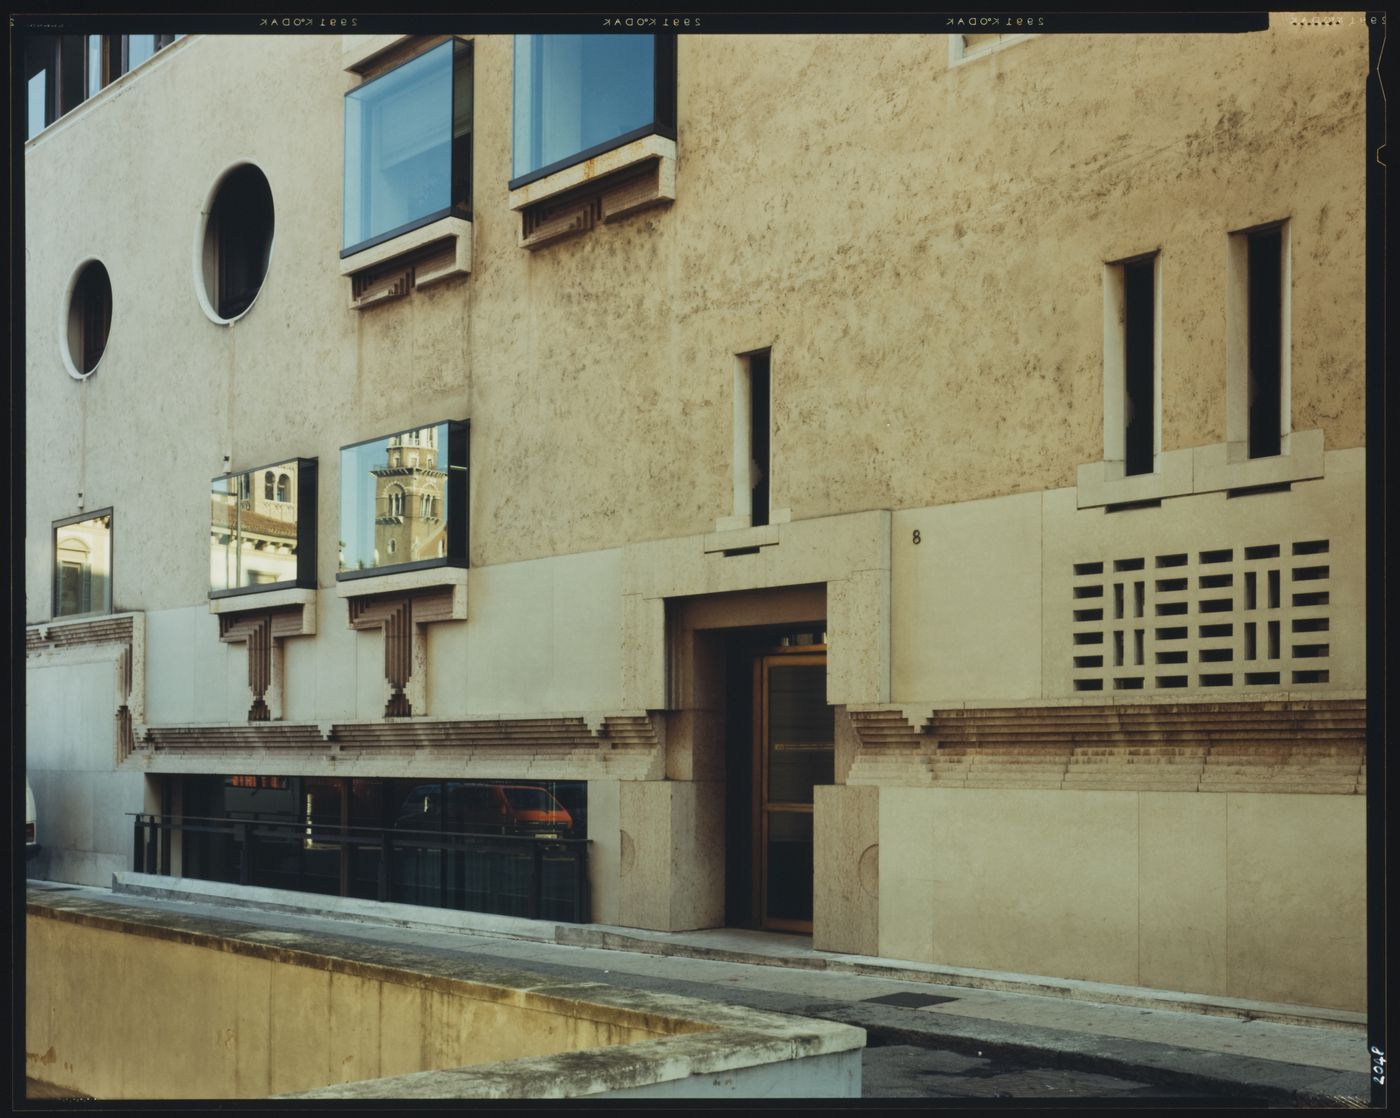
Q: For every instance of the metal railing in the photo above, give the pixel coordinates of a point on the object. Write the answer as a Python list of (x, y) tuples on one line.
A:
[(540, 876)]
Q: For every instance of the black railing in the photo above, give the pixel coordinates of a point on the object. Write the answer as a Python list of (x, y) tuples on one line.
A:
[(540, 876)]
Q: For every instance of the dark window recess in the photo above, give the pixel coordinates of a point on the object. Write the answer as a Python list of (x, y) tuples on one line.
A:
[(1217, 680), (1216, 655), (1171, 560), (1117, 599), (1128, 683), (1265, 341), (1306, 574), (1170, 609), (1251, 590), (1310, 624), (1088, 638), (1170, 585), (1178, 657), (760, 409), (1261, 677), (1273, 640), (1264, 551), (1310, 677), (90, 317), (1127, 564), (1209, 582), (1224, 555), (1088, 685), (1317, 598), (1088, 615), (1175, 633), (238, 240), (1088, 591), (1216, 605), (1251, 641), (1310, 547), (1138, 327), (1310, 651), (1118, 649), (1088, 568), (1088, 661), (1274, 584), (1209, 631), (1171, 681)]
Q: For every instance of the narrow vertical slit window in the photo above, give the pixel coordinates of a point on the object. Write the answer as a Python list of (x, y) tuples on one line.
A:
[(1265, 341), (752, 436), (1139, 361)]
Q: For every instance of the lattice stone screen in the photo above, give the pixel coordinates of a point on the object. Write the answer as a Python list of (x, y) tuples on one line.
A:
[(1230, 617)]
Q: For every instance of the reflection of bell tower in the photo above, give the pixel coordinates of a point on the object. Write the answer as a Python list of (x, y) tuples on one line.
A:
[(409, 522)]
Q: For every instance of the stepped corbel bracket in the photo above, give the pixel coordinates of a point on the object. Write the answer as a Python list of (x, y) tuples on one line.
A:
[(402, 617)]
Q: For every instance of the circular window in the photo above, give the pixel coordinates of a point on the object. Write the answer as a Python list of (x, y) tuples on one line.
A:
[(236, 243), (89, 319)]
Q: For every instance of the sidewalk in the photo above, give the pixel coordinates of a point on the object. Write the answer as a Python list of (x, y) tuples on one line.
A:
[(1274, 1053)]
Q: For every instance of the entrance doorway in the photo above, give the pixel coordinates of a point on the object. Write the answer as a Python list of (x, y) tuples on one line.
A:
[(793, 751)]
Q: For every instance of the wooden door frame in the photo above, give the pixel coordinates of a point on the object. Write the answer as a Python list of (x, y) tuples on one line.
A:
[(812, 654)]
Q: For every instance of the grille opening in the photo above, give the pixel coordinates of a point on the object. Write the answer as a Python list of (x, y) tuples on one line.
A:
[(1118, 649), (1218, 630), (1117, 599), (1260, 677), (1251, 641), (1308, 574), (1273, 640), (1088, 661), (1128, 564), (1088, 685), (1222, 555), (1311, 624), (1216, 655), (1310, 547), (1170, 609), (1088, 638), (1216, 605), (1170, 585), (1088, 568), (1310, 651), (1310, 677), (1173, 657), (1312, 598), (1171, 681), (1139, 598), (1212, 582), (1171, 560), (1172, 633), (1265, 551), (1217, 680), (1274, 594), (1127, 683), (1088, 591), (1088, 615)]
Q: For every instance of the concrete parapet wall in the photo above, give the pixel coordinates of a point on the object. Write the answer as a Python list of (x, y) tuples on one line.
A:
[(126, 1002)]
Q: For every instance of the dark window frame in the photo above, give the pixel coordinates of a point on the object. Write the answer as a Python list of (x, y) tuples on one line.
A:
[(305, 496), (663, 121), (457, 494), (82, 518), (463, 59)]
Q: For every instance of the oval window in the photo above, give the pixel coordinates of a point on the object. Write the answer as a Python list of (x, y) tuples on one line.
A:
[(89, 318), (237, 241)]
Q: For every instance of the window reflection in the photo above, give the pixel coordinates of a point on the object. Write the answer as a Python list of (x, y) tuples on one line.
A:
[(576, 92), (255, 530), (408, 145), (394, 506), (83, 566)]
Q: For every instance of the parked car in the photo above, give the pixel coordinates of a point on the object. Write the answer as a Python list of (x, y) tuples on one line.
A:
[(512, 807), (31, 823)]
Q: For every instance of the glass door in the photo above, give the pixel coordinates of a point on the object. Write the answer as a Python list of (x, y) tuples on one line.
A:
[(794, 751)]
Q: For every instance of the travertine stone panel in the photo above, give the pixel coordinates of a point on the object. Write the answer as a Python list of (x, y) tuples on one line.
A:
[(1296, 898), (672, 854), (605, 850), (1039, 882), (1217, 535), (966, 602), (846, 878), (858, 633), (1181, 868), (697, 855), (643, 653)]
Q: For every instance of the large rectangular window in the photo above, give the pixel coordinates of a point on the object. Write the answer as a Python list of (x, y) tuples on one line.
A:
[(82, 565), (577, 96), (403, 501), (262, 528), (408, 142)]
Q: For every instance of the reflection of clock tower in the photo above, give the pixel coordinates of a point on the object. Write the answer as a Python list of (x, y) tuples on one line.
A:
[(409, 520)]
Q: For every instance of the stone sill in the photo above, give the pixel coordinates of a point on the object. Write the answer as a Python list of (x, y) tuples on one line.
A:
[(451, 237), (1202, 469), (271, 599), (610, 162), (409, 581)]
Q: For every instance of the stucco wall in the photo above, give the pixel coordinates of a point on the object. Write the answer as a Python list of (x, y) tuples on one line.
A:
[(598, 373)]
